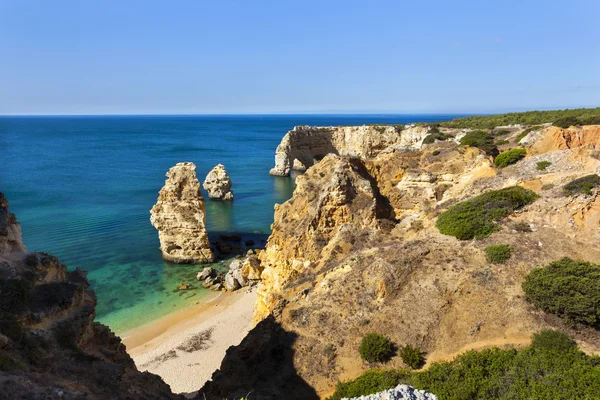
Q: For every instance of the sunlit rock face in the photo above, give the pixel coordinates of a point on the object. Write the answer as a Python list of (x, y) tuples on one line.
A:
[(10, 230), (218, 183), (179, 215)]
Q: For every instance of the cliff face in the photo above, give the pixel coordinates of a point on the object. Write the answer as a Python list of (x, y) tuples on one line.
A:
[(303, 146), (338, 266), (10, 230), (50, 346), (179, 215)]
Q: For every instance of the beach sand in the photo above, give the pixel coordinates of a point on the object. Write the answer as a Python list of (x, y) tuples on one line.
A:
[(187, 346)]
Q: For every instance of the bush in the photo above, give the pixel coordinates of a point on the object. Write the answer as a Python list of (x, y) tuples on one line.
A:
[(552, 340), (566, 288), (412, 356), (583, 185), (522, 227), (376, 348), (498, 253), (551, 368), (432, 137), (482, 140), (542, 165), (477, 218), (509, 157), (566, 122), (501, 132)]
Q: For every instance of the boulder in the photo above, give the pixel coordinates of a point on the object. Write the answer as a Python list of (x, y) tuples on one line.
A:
[(218, 184), (205, 273), (179, 215), (231, 283), (251, 268)]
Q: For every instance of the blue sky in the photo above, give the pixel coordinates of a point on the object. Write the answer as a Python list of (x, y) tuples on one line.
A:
[(226, 56)]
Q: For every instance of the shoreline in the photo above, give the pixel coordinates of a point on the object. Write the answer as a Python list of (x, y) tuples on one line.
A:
[(185, 347)]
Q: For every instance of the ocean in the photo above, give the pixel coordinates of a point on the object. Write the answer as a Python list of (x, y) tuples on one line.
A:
[(82, 188)]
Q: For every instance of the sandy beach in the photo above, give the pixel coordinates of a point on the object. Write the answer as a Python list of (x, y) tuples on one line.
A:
[(187, 346)]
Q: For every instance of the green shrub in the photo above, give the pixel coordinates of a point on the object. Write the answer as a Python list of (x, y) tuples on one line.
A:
[(372, 381), (482, 140), (501, 142), (569, 289), (549, 339), (542, 165), (477, 218), (498, 253), (551, 368), (566, 122), (376, 348), (583, 185), (547, 186), (522, 227), (432, 137), (501, 132), (412, 356), (509, 157)]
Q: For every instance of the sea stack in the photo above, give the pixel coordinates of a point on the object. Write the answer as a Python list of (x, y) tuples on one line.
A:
[(179, 215), (218, 183)]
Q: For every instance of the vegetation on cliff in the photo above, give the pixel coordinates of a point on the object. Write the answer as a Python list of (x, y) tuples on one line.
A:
[(376, 348), (509, 157), (498, 253), (482, 140), (583, 185), (567, 288), (552, 367), (477, 218), (562, 118)]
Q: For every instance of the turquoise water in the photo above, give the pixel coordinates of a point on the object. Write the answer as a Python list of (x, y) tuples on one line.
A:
[(82, 188)]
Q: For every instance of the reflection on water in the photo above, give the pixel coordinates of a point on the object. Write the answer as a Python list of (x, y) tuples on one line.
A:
[(220, 215), (283, 187)]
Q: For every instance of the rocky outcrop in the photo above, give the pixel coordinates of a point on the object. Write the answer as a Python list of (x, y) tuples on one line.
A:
[(50, 346), (179, 215), (330, 200), (10, 230), (218, 183), (555, 138), (303, 146), (243, 271), (400, 392)]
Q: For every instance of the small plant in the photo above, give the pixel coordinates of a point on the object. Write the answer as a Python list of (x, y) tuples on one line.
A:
[(549, 339), (478, 217), (376, 348), (522, 227), (498, 253), (501, 142), (435, 153), (547, 186), (432, 137), (330, 350), (509, 157), (412, 356), (569, 289), (542, 165), (482, 140), (583, 185)]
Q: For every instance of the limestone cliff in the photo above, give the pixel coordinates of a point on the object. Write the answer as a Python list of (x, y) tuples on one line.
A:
[(50, 346), (303, 146), (179, 215), (356, 250), (10, 230), (218, 183)]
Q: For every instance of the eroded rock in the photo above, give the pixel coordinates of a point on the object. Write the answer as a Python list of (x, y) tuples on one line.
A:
[(179, 215), (218, 183)]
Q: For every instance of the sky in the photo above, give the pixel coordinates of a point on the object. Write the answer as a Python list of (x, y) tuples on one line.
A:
[(305, 56)]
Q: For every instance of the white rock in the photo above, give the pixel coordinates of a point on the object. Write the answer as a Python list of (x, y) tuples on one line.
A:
[(218, 183)]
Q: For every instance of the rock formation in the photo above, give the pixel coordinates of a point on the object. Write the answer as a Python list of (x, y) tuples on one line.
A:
[(218, 183), (400, 392), (179, 215), (243, 271), (50, 346), (10, 230), (303, 146)]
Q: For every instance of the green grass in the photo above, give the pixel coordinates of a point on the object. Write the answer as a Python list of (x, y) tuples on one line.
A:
[(542, 165), (551, 368), (498, 253), (509, 157), (478, 217), (482, 140), (583, 185), (376, 348), (566, 288), (584, 116)]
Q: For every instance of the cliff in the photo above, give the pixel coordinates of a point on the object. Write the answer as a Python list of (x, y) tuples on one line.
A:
[(179, 215), (50, 346), (10, 230), (356, 250), (303, 146)]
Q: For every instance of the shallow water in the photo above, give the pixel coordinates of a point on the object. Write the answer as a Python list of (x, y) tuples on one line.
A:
[(82, 188)]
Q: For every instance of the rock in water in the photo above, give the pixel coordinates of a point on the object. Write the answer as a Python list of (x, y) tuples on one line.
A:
[(180, 218), (218, 183)]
